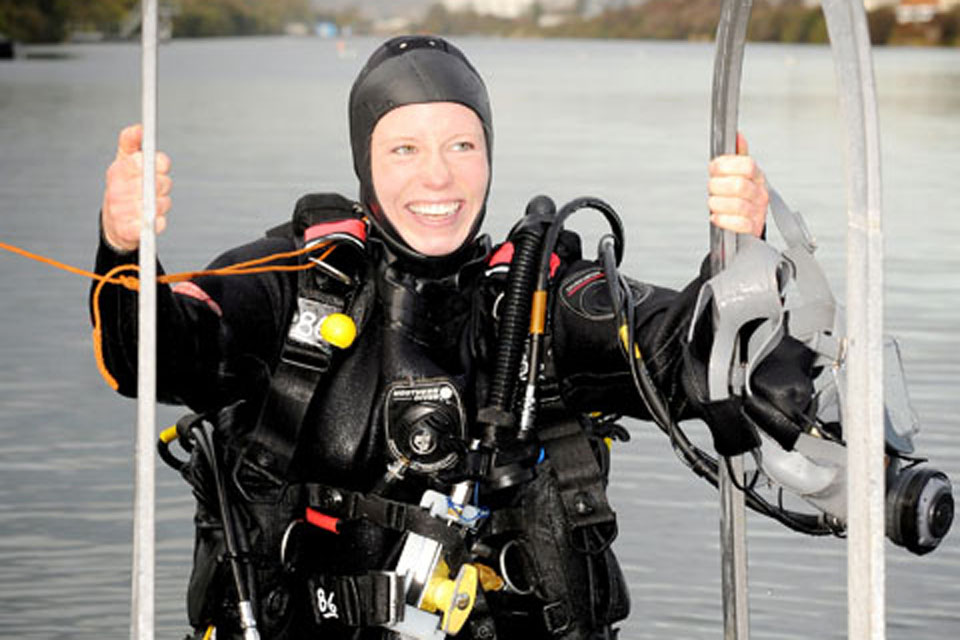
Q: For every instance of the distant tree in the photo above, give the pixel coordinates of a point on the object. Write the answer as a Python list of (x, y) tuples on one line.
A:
[(882, 22), (437, 20), (803, 24), (950, 27), (35, 20), (197, 18), (678, 19), (100, 13)]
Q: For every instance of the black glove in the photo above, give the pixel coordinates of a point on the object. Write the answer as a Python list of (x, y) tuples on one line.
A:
[(782, 386), (782, 398)]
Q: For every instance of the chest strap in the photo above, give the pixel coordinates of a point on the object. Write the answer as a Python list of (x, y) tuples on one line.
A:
[(336, 284), (345, 504)]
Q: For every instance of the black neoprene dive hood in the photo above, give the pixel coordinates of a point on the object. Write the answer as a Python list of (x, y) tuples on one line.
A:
[(411, 70)]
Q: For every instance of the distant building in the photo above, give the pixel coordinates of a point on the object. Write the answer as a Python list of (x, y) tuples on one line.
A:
[(907, 7), (917, 10), (507, 8), (870, 5)]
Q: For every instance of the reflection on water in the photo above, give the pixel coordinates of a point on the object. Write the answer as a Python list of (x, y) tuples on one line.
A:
[(252, 124)]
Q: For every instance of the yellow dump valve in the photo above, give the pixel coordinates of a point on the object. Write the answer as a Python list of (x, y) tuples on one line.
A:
[(339, 330), (453, 598), (168, 435)]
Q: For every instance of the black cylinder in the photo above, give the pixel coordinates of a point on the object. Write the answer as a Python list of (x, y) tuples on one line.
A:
[(919, 509)]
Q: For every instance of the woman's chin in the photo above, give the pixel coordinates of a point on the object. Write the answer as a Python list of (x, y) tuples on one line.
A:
[(435, 245), (435, 250)]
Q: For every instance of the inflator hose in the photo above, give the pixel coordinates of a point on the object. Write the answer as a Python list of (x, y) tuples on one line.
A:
[(527, 238)]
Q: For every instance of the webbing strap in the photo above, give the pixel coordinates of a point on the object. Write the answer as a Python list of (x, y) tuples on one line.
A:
[(753, 290), (302, 366), (389, 514), (581, 482), (812, 320), (306, 357), (371, 599)]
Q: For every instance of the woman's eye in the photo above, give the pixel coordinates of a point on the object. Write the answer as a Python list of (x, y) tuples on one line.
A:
[(464, 145), (404, 150)]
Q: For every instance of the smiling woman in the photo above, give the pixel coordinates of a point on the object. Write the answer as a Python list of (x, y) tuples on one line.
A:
[(408, 439), (430, 174), (420, 111)]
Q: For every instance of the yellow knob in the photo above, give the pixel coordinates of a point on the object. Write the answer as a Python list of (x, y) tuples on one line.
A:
[(339, 330), (168, 435), (454, 599)]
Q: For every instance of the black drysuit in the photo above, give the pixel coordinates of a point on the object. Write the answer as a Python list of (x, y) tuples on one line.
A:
[(220, 338)]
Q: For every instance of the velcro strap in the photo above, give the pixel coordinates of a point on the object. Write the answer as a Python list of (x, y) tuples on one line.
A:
[(579, 477), (505, 520), (369, 599), (389, 514)]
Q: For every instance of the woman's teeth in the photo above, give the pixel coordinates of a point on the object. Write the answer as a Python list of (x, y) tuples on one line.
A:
[(436, 209)]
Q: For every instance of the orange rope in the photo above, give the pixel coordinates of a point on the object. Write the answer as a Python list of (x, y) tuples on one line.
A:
[(248, 267)]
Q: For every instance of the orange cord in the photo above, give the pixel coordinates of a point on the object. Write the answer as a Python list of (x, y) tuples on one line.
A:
[(133, 283)]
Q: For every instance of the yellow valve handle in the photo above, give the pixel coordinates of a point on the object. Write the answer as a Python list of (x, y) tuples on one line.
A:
[(168, 435), (455, 598), (339, 330)]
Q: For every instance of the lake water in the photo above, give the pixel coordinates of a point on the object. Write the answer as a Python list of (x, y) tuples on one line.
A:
[(253, 123)]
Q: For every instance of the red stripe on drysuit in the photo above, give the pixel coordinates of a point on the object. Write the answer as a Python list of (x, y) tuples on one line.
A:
[(586, 281), (191, 289), (504, 255), (355, 228)]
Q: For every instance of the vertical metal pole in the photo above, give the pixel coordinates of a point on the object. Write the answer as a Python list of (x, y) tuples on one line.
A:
[(142, 609), (863, 420), (728, 64), (733, 550)]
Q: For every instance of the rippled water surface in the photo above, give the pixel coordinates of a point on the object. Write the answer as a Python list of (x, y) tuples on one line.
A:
[(252, 124)]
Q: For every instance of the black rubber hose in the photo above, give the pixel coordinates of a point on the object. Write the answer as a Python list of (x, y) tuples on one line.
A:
[(203, 437), (515, 306), (696, 459)]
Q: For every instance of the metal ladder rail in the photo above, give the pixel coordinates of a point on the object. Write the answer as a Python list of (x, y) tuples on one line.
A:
[(144, 534)]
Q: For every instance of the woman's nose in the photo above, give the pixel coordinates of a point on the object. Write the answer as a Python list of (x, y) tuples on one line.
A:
[(436, 171)]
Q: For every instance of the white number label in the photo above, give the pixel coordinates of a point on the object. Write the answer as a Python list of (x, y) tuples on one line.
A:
[(325, 604)]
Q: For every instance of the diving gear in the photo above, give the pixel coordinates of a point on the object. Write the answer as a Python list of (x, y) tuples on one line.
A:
[(919, 508), (790, 414), (329, 301), (411, 70), (425, 424), (304, 529)]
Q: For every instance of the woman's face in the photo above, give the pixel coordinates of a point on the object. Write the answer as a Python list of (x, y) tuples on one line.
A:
[(430, 171)]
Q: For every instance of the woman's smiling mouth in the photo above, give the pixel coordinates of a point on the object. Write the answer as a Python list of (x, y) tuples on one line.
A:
[(435, 211)]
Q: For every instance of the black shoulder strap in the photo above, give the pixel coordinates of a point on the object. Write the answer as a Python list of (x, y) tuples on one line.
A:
[(337, 284)]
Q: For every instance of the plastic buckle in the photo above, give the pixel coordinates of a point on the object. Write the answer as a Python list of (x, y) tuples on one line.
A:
[(556, 617)]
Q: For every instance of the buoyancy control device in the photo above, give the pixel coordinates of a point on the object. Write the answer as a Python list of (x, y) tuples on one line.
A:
[(527, 550)]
